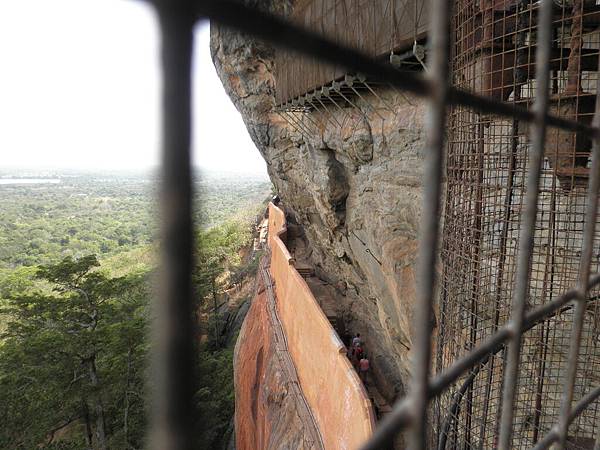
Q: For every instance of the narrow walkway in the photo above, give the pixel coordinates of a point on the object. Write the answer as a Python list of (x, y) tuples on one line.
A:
[(380, 404), (326, 296), (286, 359)]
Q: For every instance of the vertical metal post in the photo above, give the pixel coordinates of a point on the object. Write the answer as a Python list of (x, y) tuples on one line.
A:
[(173, 328), (428, 242), (527, 232), (589, 230)]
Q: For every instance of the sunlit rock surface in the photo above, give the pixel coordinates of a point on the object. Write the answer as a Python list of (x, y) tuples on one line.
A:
[(355, 189)]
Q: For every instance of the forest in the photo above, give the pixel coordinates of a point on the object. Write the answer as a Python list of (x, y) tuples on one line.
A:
[(77, 268), (106, 214)]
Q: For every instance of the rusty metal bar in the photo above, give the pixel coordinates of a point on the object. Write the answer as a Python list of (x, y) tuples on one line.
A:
[(584, 270), (494, 342), (173, 410), (554, 434), (439, 77), (401, 417), (527, 232)]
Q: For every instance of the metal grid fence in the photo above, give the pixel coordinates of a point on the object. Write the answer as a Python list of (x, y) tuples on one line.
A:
[(486, 166), (528, 312)]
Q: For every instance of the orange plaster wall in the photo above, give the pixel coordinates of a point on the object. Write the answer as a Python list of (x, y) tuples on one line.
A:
[(253, 354), (332, 388)]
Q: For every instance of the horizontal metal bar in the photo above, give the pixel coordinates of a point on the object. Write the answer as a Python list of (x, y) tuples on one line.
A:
[(494, 343), (287, 35), (400, 417), (450, 375), (554, 434)]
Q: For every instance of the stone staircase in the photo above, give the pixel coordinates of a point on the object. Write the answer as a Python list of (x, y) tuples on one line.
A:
[(382, 407), (305, 271)]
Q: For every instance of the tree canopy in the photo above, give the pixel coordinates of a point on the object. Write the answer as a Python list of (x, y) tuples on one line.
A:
[(72, 359)]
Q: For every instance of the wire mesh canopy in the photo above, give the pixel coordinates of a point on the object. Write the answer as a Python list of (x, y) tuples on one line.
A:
[(374, 27)]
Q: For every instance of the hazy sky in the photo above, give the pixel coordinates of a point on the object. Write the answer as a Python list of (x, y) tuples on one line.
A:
[(79, 87)]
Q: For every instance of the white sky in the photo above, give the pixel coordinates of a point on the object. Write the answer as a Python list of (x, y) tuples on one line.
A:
[(80, 88)]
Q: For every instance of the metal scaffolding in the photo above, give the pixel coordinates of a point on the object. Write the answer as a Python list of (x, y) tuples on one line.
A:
[(311, 95), (487, 162)]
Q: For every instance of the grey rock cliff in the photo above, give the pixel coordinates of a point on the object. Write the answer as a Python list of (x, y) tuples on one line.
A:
[(355, 189)]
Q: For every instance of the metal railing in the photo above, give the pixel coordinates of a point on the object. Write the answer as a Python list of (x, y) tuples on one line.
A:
[(174, 352)]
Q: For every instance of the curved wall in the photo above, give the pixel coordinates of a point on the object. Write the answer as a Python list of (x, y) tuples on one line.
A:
[(330, 385)]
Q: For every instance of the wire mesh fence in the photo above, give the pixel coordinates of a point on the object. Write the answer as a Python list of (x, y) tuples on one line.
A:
[(487, 162)]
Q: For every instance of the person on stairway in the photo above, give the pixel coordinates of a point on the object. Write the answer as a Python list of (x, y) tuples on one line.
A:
[(356, 340), (363, 366)]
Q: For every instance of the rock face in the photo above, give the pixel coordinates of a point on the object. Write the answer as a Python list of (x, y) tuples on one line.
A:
[(354, 188)]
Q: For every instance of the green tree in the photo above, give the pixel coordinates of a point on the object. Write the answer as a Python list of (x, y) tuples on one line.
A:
[(73, 359), (218, 257)]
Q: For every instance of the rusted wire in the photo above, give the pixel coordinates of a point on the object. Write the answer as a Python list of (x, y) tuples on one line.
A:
[(527, 233), (589, 230), (504, 65)]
